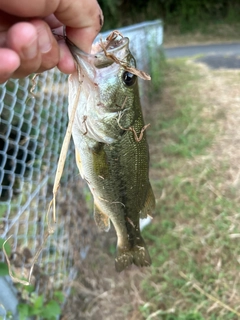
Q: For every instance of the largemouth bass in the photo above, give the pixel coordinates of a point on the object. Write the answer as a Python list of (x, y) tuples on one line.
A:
[(110, 142)]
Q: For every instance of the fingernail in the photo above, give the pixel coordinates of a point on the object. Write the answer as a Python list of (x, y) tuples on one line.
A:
[(30, 51), (44, 41)]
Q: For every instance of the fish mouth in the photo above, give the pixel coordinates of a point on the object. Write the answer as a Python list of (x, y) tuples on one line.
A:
[(98, 58)]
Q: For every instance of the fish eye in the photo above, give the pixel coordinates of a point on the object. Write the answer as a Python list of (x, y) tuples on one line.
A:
[(129, 78)]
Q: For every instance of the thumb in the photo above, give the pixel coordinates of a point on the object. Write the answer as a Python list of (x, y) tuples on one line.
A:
[(83, 20)]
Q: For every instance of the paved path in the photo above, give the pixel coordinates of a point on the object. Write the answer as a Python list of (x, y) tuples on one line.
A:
[(226, 55)]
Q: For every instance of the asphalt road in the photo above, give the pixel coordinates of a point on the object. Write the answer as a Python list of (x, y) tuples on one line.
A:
[(225, 55)]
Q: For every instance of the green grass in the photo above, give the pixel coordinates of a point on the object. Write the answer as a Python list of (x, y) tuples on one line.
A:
[(194, 236), (204, 32), (189, 237)]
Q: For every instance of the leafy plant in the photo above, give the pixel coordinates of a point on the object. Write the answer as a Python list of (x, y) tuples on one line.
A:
[(36, 306), (186, 14)]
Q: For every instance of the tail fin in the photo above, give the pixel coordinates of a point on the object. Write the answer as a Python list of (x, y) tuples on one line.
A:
[(138, 255)]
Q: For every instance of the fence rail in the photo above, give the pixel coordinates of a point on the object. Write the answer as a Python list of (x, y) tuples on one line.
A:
[(31, 134)]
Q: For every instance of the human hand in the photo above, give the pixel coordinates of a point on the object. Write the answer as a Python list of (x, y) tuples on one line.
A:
[(27, 43)]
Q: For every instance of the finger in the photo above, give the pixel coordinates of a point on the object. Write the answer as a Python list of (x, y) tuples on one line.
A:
[(82, 28), (82, 38), (35, 45), (10, 61), (52, 21), (47, 44), (3, 37), (7, 20), (66, 63), (84, 18), (22, 38), (26, 8)]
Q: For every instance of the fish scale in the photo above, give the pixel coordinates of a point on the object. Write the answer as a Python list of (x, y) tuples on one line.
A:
[(111, 147)]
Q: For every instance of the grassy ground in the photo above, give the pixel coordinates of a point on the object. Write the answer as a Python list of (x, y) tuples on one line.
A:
[(194, 237), (204, 34)]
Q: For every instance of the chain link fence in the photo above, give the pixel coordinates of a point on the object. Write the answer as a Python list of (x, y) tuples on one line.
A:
[(31, 135)]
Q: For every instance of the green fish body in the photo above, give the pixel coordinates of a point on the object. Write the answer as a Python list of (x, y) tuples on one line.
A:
[(111, 147)]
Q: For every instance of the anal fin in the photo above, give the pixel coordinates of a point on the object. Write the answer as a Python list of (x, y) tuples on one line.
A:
[(149, 204), (101, 219)]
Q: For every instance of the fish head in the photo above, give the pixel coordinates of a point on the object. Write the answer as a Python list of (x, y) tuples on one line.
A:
[(118, 87), (109, 91)]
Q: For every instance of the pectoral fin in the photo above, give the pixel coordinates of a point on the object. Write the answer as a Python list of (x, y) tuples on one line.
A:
[(101, 219), (149, 204), (100, 164)]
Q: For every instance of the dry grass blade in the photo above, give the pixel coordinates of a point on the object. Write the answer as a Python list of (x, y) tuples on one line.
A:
[(209, 296), (141, 74), (136, 137), (25, 283), (34, 84), (158, 312), (63, 154)]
